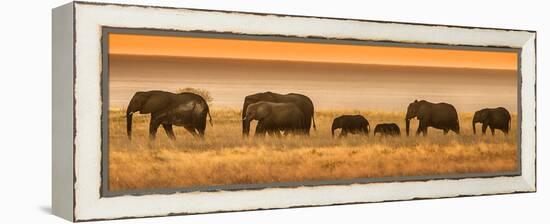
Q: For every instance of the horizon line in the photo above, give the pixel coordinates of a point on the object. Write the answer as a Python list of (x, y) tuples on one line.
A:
[(361, 110)]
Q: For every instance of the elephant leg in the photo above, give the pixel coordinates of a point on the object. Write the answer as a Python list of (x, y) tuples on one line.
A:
[(191, 130), (303, 130), (445, 131), (261, 133), (425, 129), (169, 131), (419, 130), (422, 128), (344, 133), (484, 128), (154, 124), (274, 132), (456, 131), (200, 125), (260, 130), (492, 131), (269, 132), (294, 131), (201, 132)]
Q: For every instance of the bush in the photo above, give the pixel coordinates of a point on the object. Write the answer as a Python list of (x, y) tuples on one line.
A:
[(201, 92)]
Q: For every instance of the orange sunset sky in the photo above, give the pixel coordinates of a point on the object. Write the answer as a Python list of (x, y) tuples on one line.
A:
[(130, 44)]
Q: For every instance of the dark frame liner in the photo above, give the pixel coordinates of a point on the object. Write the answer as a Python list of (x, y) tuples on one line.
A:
[(105, 192)]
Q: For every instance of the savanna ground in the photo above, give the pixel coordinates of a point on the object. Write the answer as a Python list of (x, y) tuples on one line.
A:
[(225, 158)]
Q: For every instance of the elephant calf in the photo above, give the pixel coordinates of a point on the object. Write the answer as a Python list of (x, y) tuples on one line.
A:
[(387, 129), (275, 117), (303, 102), (494, 118), (355, 124)]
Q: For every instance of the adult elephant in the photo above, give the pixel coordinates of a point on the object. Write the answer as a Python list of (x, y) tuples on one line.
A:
[(437, 115), (184, 109), (494, 118), (304, 103), (354, 124), (275, 117)]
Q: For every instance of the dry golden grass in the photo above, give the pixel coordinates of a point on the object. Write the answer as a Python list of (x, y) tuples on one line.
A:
[(224, 157)]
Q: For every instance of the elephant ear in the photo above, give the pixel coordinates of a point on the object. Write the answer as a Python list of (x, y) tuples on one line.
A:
[(155, 103)]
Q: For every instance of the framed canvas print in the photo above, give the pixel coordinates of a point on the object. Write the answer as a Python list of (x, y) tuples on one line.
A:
[(168, 111)]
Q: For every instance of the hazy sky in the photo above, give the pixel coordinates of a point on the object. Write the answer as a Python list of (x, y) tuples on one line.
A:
[(313, 52), (358, 77)]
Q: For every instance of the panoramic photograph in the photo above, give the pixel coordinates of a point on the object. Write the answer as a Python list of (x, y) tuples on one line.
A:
[(195, 112)]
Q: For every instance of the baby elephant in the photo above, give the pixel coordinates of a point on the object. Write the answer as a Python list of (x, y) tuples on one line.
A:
[(275, 117), (387, 129), (494, 118), (355, 124)]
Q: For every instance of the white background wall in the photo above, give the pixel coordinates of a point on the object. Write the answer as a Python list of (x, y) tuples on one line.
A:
[(25, 110)]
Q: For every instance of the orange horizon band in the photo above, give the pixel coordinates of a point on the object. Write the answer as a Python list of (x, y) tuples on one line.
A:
[(132, 44)]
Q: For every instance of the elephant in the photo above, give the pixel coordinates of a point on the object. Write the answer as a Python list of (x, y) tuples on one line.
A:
[(437, 115), (387, 129), (304, 103), (494, 118), (355, 124), (184, 109), (275, 117)]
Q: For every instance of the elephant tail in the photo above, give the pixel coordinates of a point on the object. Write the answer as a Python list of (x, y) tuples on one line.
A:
[(208, 113), (313, 119)]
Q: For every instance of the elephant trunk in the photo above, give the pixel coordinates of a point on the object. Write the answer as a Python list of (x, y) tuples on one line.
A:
[(407, 125), (129, 124), (334, 127), (313, 119), (246, 125)]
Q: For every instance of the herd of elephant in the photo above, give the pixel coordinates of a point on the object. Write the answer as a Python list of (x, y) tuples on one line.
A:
[(283, 114)]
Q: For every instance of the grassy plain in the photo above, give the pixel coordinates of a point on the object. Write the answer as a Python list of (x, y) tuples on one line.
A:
[(224, 157)]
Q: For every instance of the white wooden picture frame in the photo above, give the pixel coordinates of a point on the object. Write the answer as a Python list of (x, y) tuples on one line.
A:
[(77, 110)]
